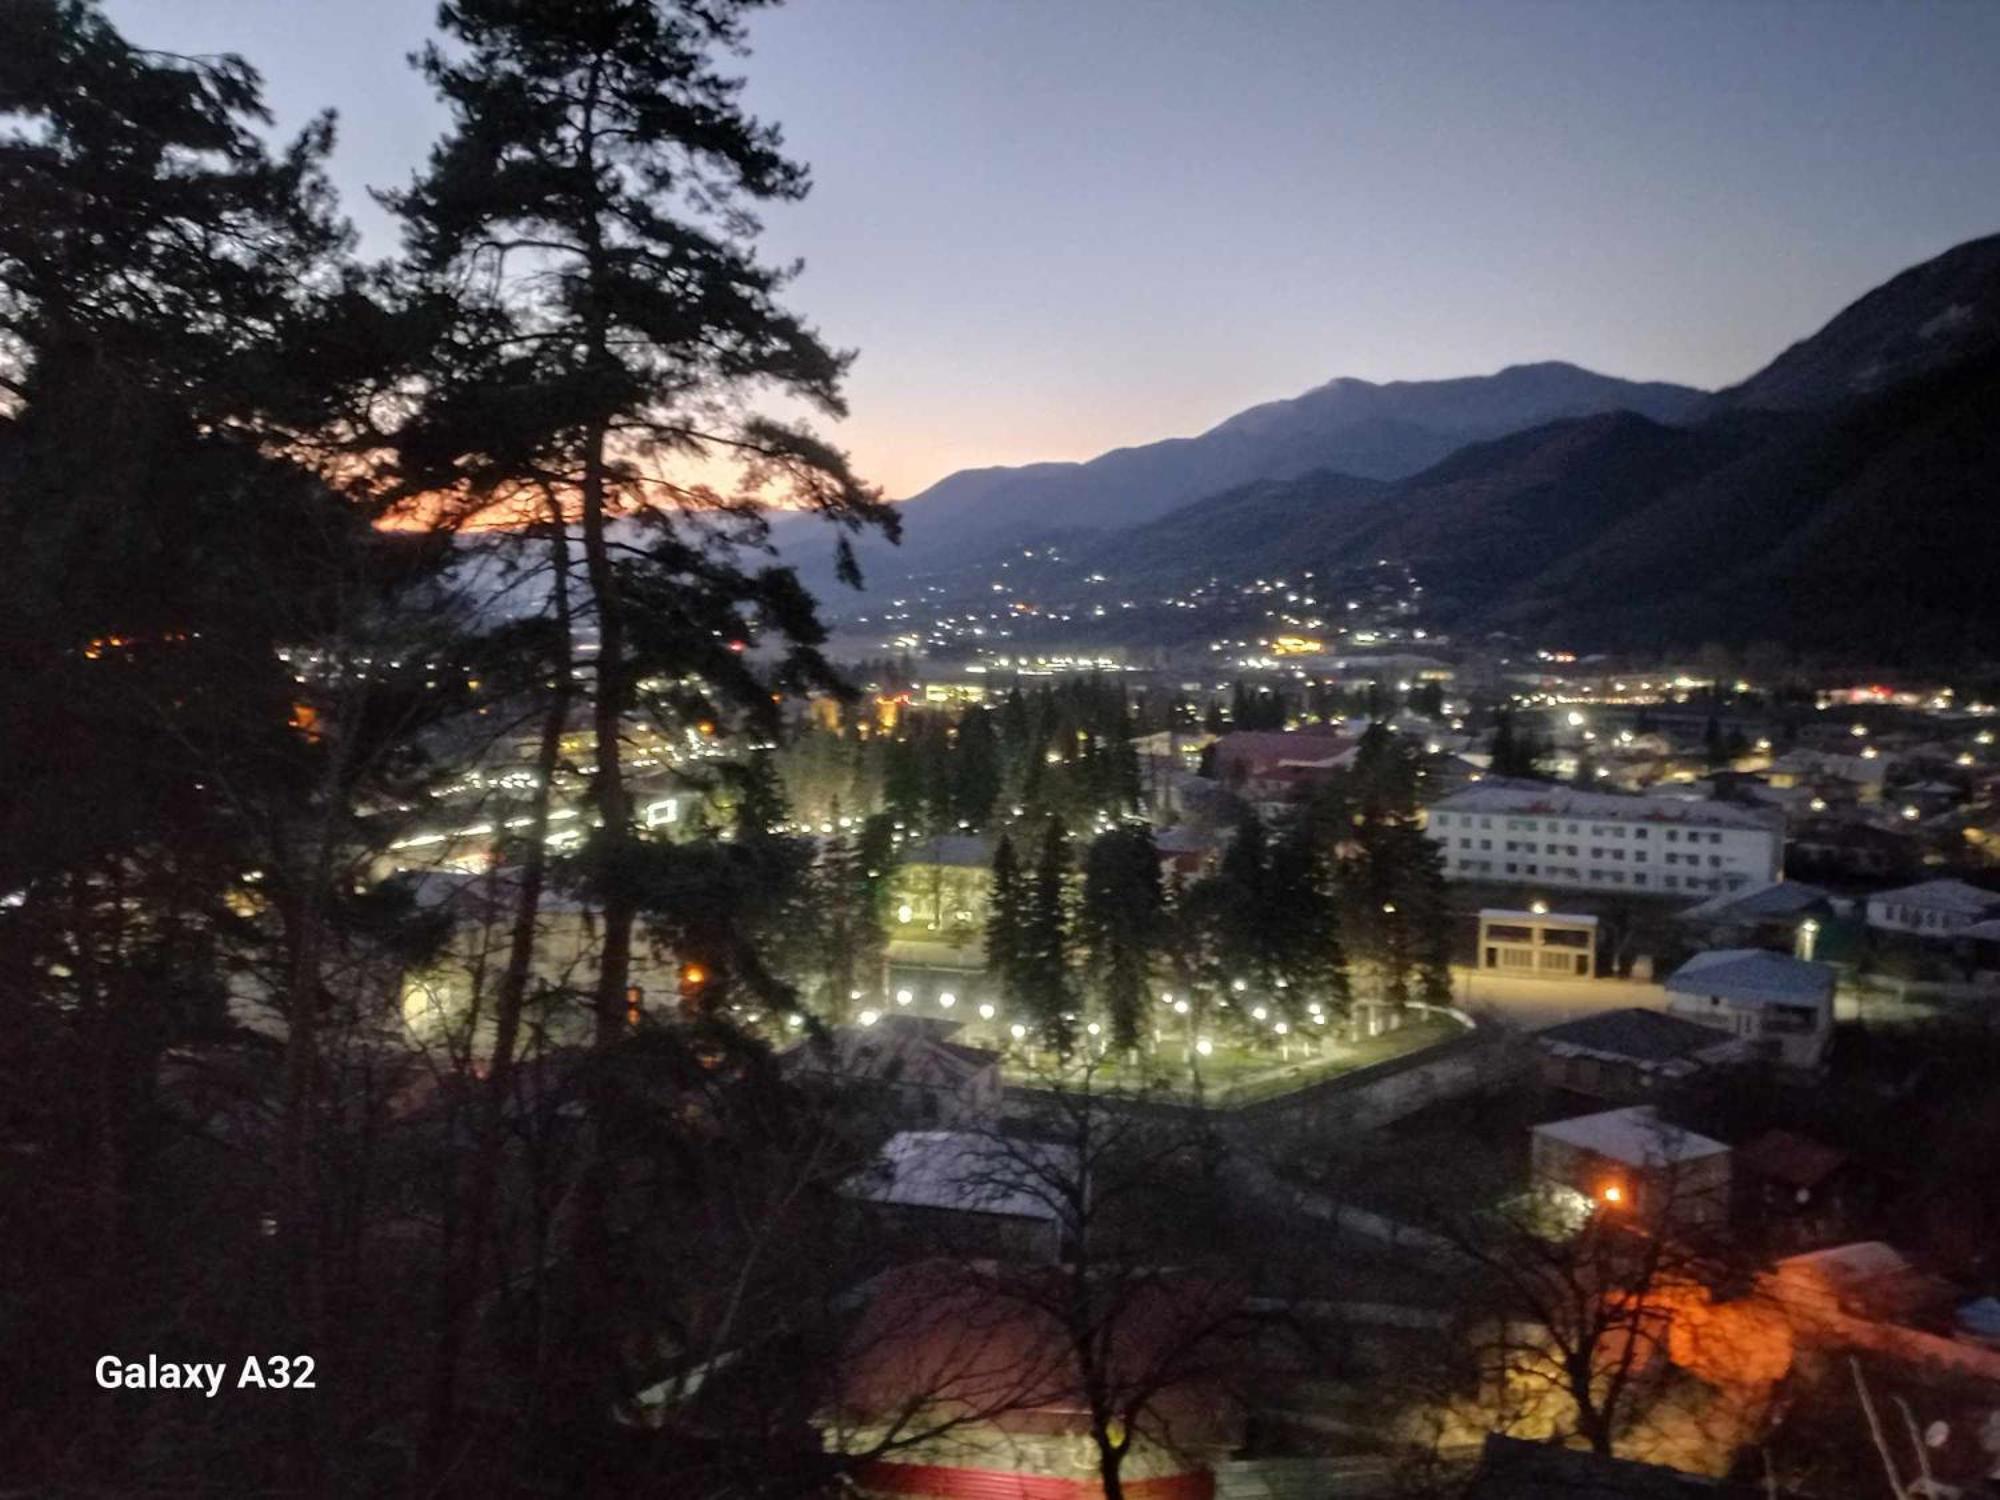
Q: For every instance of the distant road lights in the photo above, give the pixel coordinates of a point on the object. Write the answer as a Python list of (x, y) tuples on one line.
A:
[(1166, 997), (795, 1021), (869, 1017), (1281, 1028), (1094, 1029), (1239, 985), (1539, 907), (1576, 720), (854, 994), (1180, 1007), (1859, 731), (1818, 804), (1911, 813), (905, 912), (1259, 1014), (1204, 1046), (986, 1012), (1389, 908), (904, 997), (947, 1000), (1017, 1031)]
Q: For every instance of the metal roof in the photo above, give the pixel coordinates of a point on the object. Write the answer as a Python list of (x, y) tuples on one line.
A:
[(1635, 1136), (1754, 976)]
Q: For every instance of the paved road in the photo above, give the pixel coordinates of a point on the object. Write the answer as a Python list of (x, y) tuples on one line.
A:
[(1535, 1003)]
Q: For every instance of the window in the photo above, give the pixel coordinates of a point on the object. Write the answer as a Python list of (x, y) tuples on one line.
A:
[(1638, 833)]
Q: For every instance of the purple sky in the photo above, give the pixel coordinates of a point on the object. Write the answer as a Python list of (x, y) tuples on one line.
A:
[(1058, 226)]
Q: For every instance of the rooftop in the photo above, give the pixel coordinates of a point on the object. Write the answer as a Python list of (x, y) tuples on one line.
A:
[(1504, 914), (1765, 903), (1753, 976), (1643, 1036), (1567, 802), (1636, 1136), (969, 1172), (1953, 896)]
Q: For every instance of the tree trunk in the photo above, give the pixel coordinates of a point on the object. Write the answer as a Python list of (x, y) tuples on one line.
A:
[(465, 1259)]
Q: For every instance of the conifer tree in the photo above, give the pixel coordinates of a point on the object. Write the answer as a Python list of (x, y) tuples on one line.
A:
[(1120, 921), (1042, 978)]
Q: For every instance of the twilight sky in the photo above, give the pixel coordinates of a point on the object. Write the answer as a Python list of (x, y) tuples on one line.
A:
[(1054, 227)]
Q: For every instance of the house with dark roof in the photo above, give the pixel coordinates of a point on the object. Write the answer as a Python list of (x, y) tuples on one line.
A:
[(1624, 1055), (909, 1065), (1796, 1193), (1785, 916)]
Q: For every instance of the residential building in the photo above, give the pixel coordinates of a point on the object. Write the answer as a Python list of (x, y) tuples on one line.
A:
[(1631, 1161), (1558, 837), (1933, 909), (1795, 1193), (1622, 1055), (1782, 1006), (910, 1064), (1785, 916), (968, 1193)]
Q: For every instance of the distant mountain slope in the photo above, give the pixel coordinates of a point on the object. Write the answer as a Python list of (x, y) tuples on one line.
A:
[(1846, 499), (1351, 426), (1942, 312), (1870, 532)]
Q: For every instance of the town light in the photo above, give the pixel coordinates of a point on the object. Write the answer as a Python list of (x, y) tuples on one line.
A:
[(1539, 908), (694, 974), (1093, 1028), (795, 1021), (904, 912), (947, 1000), (1238, 985), (1017, 1031), (869, 1017), (1259, 1013), (1204, 1046), (1180, 1007), (986, 1012), (1281, 1028), (904, 997), (1612, 1193)]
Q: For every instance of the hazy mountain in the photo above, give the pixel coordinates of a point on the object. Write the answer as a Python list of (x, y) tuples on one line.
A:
[(1352, 426), (1846, 498), (1940, 313)]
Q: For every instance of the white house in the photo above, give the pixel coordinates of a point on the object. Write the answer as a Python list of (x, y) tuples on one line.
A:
[(1934, 909), (1558, 837), (1783, 1004), (1631, 1161)]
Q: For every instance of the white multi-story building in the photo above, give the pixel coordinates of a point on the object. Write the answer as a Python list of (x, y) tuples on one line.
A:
[(1554, 836)]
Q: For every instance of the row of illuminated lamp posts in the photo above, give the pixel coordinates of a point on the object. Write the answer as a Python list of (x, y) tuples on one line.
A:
[(1203, 1045)]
